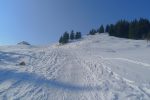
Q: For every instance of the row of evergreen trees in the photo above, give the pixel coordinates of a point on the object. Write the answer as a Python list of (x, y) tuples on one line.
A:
[(136, 29), (69, 36)]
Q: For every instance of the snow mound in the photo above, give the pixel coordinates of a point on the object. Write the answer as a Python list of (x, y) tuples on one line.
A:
[(24, 43)]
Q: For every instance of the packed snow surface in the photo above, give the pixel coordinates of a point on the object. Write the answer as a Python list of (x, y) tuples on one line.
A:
[(96, 67)]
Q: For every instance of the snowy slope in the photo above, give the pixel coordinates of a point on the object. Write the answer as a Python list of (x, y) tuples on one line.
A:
[(96, 67)]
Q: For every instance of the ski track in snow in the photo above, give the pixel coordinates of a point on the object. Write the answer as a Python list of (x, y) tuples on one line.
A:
[(69, 72), (129, 60)]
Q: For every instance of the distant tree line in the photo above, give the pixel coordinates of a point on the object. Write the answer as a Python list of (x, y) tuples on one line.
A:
[(69, 36), (136, 29)]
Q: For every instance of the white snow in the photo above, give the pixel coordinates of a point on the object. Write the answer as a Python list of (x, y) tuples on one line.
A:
[(96, 67)]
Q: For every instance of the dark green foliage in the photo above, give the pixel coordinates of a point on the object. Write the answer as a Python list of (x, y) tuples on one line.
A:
[(122, 29), (111, 30), (78, 35), (143, 28), (92, 32), (61, 40), (101, 29), (107, 28), (65, 38), (133, 29), (137, 29), (72, 35)]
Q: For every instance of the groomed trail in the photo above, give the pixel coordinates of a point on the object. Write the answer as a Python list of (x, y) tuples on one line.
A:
[(94, 68)]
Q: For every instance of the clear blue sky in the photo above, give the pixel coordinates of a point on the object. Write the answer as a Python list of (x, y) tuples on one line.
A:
[(43, 21)]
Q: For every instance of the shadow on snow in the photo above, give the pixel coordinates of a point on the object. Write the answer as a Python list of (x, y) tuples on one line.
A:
[(38, 80)]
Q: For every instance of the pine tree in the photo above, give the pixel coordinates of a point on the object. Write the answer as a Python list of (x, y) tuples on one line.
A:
[(78, 35), (133, 29), (61, 40), (107, 28), (65, 37), (72, 35), (112, 30), (122, 29), (143, 28), (101, 29), (92, 32)]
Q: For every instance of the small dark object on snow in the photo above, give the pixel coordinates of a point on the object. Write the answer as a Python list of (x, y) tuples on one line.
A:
[(22, 63)]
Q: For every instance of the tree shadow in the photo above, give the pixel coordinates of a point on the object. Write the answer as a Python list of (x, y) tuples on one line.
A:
[(13, 57), (39, 80), (6, 56)]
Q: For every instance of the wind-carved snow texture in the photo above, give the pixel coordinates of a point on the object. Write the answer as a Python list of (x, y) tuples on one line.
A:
[(97, 67)]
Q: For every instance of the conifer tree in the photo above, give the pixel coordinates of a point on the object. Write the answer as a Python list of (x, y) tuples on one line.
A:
[(92, 32), (78, 35), (72, 35), (112, 30), (133, 29), (107, 28), (65, 37), (101, 29), (61, 40), (143, 28), (122, 29)]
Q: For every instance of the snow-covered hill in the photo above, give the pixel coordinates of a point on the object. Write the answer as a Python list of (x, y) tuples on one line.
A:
[(96, 67), (23, 43)]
